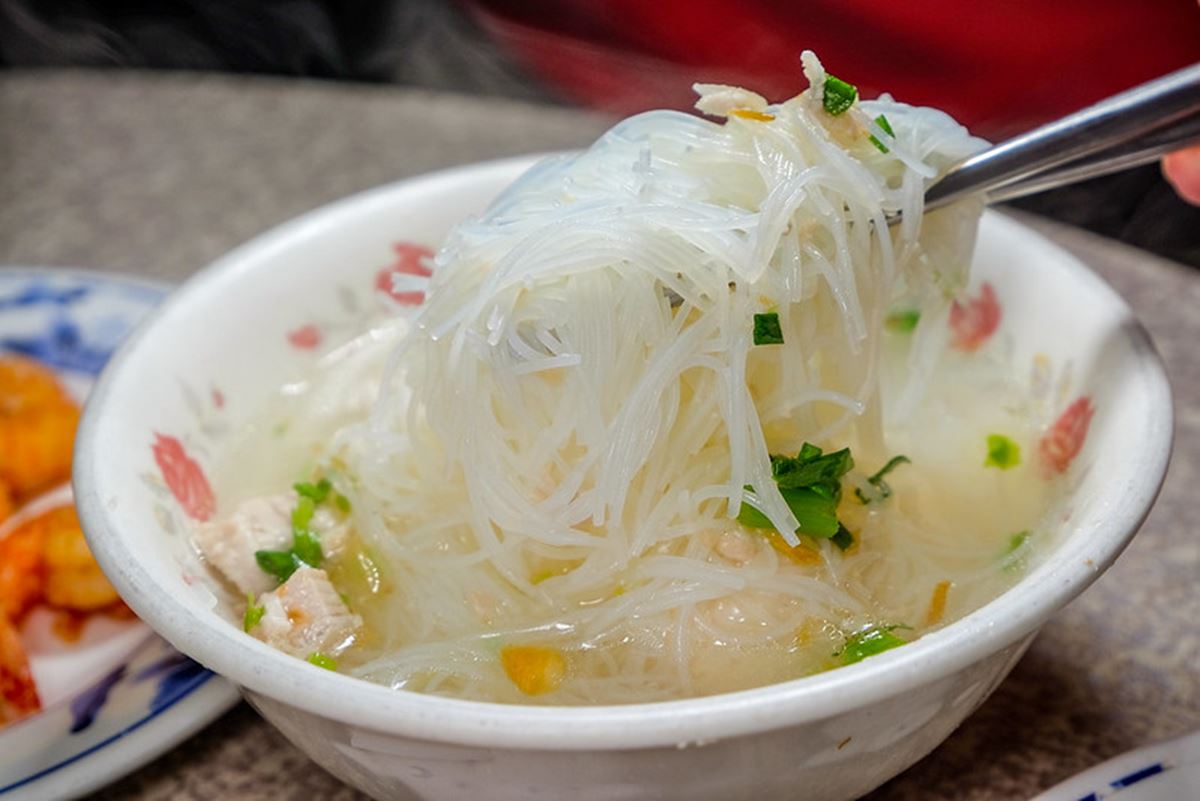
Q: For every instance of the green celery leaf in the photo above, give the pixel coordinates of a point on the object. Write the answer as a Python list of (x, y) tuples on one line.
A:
[(808, 452), (750, 517), (767, 330), (816, 514), (810, 468)]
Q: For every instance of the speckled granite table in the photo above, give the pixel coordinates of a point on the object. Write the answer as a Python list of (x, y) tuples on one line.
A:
[(157, 175)]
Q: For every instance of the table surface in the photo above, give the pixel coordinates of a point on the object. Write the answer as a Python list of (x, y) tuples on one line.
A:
[(159, 174)]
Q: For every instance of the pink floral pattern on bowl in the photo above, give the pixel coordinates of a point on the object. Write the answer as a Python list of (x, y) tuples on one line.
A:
[(411, 259), (181, 476), (973, 322), (1063, 441), (306, 337), (184, 477)]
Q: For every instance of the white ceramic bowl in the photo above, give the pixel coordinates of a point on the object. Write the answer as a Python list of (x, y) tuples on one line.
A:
[(214, 351)]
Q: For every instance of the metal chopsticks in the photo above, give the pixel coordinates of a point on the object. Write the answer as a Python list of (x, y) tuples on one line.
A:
[(1126, 130)]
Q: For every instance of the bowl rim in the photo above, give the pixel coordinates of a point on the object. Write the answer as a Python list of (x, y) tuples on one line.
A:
[(263, 671)]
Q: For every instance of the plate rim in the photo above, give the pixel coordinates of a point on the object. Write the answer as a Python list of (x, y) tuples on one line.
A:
[(1125, 770)]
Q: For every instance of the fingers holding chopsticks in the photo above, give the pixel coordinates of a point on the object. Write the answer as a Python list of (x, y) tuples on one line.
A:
[(1182, 169)]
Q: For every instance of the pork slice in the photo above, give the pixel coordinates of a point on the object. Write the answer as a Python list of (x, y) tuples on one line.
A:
[(306, 616), (258, 524)]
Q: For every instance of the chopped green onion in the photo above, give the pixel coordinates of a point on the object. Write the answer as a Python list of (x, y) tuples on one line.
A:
[(1012, 558), (903, 322), (254, 614), (307, 548), (767, 330), (280, 564), (843, 539), (306, 545), (317, 492), (322, 661), (303, 513), (839, 96), (869, 642), (1002, 452), (877, 481), (883, 123), (342, 503)]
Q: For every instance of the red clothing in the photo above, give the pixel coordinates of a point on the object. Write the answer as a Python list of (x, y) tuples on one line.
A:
[(999, 67)]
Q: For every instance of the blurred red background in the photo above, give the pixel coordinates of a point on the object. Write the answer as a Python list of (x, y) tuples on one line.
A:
[(999, 67)]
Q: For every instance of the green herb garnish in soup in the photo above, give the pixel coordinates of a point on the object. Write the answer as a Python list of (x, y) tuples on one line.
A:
[(883, 123), (280, 564), (1002, 452), (307, 548), (254, 613), (810, 483), (869, 642), (317, 492), (323, 661), (842, 538), (876, 480), (302, 514), (767, 330), (903, 322), (1013, 557), (839, 96)]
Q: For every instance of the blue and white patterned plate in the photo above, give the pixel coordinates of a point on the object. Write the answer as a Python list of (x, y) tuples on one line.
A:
[(120, 695), (1167, 771)]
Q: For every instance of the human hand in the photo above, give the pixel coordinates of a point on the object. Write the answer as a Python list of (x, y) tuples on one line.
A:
[(1182, 169)]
